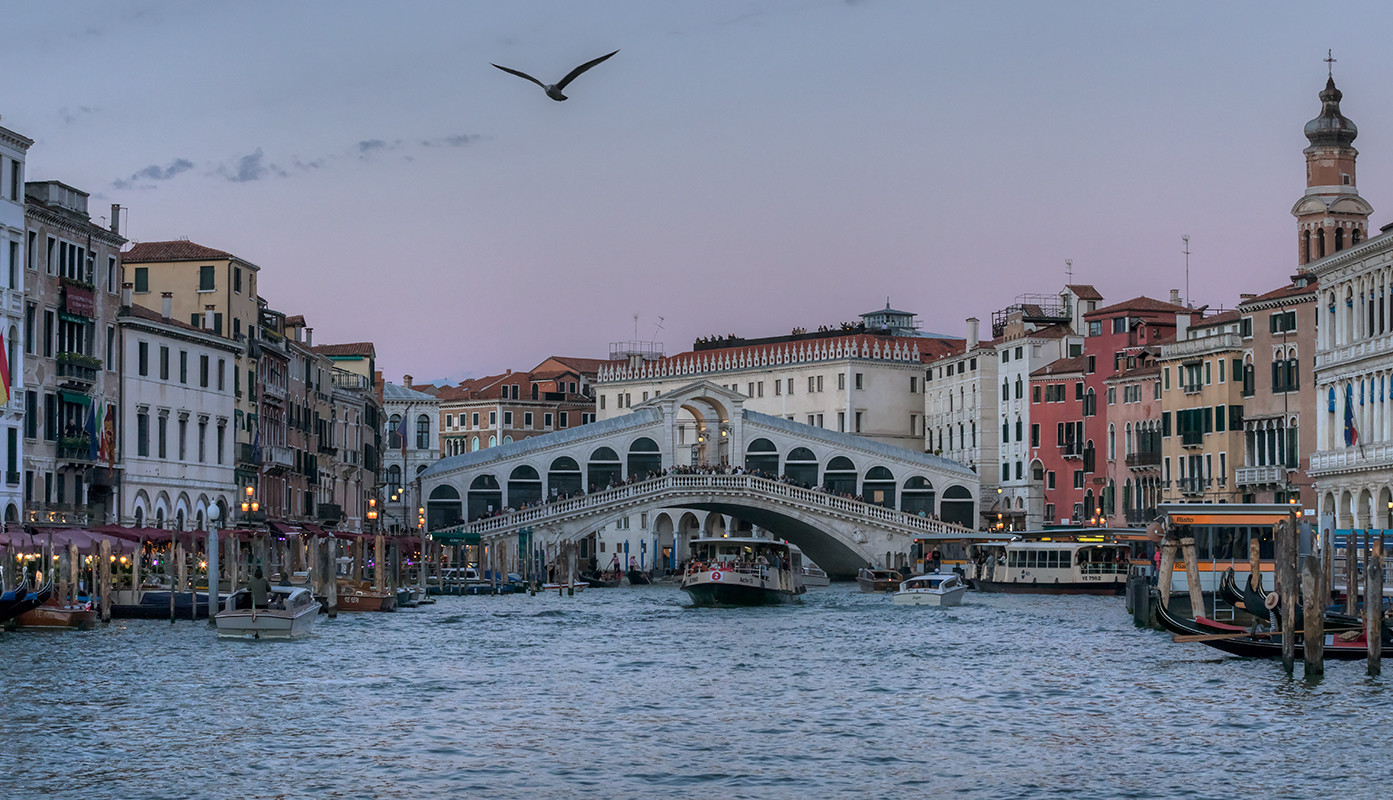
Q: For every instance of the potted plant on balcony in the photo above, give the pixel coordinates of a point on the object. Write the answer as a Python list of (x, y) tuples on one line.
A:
[(80, 360)]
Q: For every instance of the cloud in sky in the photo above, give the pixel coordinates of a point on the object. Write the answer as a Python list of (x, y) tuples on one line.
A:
[(250, 167), (154, 172)]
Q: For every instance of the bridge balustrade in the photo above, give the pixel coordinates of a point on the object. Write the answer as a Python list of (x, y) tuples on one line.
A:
[(653, 488)]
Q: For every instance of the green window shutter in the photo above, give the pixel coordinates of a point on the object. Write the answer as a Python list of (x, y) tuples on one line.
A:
[(1219, 419), (1208, 419), (1165, 423)]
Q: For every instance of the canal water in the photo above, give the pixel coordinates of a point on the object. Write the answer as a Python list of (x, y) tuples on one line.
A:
[(631, 693)]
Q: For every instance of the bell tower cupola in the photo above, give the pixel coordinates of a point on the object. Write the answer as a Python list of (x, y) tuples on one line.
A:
[(1331, 215)]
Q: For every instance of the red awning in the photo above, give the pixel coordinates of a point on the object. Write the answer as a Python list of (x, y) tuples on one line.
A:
[(315, 530), (281, 527)]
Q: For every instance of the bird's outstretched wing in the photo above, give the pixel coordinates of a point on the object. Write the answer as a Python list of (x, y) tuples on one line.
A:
[(523, 75), (575, 73)]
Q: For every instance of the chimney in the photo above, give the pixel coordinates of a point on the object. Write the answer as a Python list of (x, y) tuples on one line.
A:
[(509, 372), (309, 337), (116, 218), (1245, 297), (166, 304), (406, 381), (126, 290), (1175, 297), (1182, 325), (972, 328), (208, 317)]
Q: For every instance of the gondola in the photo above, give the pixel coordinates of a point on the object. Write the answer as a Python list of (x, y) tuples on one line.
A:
[(31, 601), (13, 596), (638, 578), (598, 581), (1251, 602), (1261, 645)]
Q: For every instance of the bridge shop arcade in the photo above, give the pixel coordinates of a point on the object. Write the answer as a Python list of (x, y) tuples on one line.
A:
[(845, 500)]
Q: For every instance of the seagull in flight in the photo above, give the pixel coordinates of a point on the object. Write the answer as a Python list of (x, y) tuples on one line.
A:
[(554, 90)]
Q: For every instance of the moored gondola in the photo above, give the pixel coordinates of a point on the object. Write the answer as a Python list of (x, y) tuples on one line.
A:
[(1260, 645), (13, 597), (30, 601)]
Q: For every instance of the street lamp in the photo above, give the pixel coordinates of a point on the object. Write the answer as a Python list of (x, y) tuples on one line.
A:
[(372, 509), (249, 503)]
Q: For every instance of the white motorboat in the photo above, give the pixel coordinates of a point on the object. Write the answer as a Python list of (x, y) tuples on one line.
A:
[(934, 589), (811, 572), (290, 613)]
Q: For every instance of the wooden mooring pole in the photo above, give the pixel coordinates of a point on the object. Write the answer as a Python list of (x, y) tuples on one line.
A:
[(1192, 577), (1313, 626), (1286, 536), (1165, 580), (1373, 602), (1351, 573)]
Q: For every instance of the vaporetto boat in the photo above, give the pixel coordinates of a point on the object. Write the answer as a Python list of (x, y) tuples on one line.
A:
[(742, 571), (1049, 567)]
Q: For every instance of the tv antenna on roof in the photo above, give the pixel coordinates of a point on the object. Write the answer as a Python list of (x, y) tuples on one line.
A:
[(1185, 237), (657, 327), (1069, 269)]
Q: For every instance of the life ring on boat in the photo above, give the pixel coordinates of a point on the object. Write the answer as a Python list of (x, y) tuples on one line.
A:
[(715, 575)]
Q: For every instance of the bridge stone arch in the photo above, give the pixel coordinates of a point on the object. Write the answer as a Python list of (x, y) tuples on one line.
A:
[(843, 530)]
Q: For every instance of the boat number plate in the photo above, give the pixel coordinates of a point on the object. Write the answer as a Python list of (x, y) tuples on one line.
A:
[(716, 575)]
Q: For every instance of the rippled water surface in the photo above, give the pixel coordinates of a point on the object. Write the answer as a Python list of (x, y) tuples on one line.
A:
[(630, 693)]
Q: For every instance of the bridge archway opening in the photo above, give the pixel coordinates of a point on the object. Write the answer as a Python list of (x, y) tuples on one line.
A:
[(443, 507), (667, 540), (524, 487), (604, 468), (762, 455), (879, 487), (958, 506), (715, 526), (485, 497), (563, 477), (644, 457), (801, 466), (840, 476), (836, 556), (917, 496)]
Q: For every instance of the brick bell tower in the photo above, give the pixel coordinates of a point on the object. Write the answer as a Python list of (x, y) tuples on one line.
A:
[(1331, 215)]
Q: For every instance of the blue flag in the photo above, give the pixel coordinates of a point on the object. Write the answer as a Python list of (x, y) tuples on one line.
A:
[(1351, 433), (91, 427)]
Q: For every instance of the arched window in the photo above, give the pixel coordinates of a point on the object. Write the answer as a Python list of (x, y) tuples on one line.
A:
[(394, 432), (1320, 243), (917, 496), (393, 479), (1305, 246), (474, 443), (1354, 237), (159, 518), (801, 466), (140, 517), (493, 441), (1112, 442), (423, 432), (763, 456)]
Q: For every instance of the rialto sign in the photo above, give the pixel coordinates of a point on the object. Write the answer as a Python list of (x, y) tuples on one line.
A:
[(79, 301)]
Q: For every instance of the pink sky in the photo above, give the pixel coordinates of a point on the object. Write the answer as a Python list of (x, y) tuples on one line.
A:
[(740, 167)]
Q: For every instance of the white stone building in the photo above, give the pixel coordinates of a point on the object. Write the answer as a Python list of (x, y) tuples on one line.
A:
[(960, 408), (13, 249), (421, 413), (175, 431), (1033, 332)]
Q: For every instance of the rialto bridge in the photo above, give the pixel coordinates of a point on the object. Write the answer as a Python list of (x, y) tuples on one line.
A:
[(490, 496)]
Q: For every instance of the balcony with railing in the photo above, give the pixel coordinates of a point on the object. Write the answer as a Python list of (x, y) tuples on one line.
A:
[(1071, 450), (1191, 438), (246, 453), (78, 367), (61, 514), (282, 457), (75, 448), (1253, 476), (1201, 346), (1193, 485), (1143, 460), (343, 379), (270, 391)]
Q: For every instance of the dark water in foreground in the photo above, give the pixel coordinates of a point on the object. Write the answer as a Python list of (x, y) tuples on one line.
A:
[(629, 693)]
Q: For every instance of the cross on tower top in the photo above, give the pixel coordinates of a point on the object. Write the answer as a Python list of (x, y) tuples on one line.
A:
[(1329, 64)]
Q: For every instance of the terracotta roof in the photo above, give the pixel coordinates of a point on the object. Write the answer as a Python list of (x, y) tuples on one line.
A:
[(1217, 319), (180, 250), (297, 321), (1142, 303), (154, 316), (1290, 290), (585, 365), (1134, 374), (1084, 291), (1063, 366), (364, 349)]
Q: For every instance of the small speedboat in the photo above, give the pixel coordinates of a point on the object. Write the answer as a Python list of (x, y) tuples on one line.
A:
[(934, 589), (290, 614), (878, 580), (52, 614)]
